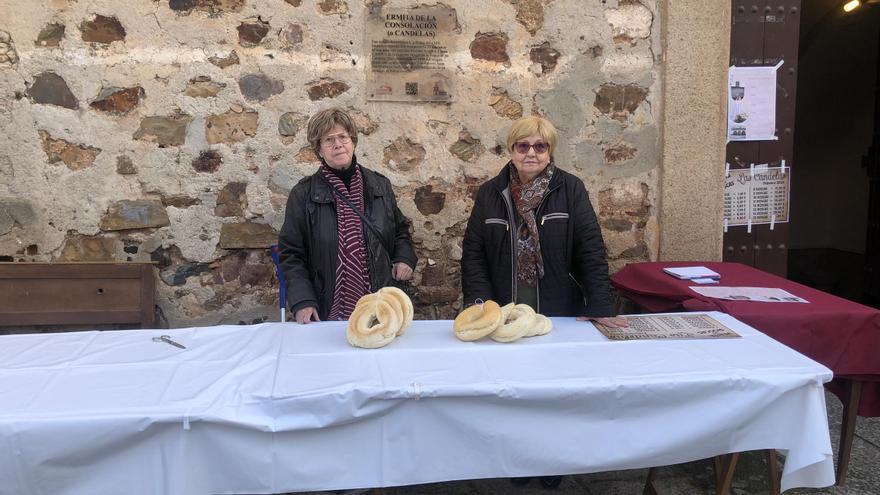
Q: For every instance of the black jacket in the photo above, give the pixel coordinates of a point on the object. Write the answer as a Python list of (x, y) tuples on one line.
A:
[(308, 243), (575, 281)]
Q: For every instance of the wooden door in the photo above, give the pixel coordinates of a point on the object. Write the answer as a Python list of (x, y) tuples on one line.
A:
[(763, 33)]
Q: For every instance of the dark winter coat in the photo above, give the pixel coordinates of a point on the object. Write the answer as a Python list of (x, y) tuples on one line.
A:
[(575, 281), (308, 243)]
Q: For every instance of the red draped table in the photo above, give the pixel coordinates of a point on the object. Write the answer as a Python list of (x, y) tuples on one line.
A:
[(841, 334)]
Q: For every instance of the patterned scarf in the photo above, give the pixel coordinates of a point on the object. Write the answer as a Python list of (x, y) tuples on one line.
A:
[(352, 279), (526, 199)]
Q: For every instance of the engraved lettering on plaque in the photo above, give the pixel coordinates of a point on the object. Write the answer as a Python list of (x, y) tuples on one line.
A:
[(409, 51)]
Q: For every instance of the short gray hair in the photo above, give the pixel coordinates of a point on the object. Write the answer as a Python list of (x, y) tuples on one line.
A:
[(323, 121)]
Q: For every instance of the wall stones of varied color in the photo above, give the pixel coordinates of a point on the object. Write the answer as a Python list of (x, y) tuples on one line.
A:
[(172, 131)]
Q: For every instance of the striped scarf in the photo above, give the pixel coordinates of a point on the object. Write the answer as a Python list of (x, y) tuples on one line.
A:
[(352, 280)]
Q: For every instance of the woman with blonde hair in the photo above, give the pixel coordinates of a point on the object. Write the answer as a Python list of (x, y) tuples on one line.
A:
[(343, 234), (533, 237)]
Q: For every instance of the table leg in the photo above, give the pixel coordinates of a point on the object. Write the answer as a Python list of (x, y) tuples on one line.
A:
[(851, 396), (718, 464), (726, 473), (773, 471)]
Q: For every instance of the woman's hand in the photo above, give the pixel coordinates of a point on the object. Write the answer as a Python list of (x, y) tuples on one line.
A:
[(609, 321), (306, 315), (401, 271)]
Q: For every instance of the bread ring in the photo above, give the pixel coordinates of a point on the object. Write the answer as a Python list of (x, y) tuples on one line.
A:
[(505, 311), (395, 306), (374, 323), (406, 316), (519, 321), (543, 326), (477, 321)]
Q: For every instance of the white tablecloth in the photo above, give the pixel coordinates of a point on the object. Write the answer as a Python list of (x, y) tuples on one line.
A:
[(282, 407)]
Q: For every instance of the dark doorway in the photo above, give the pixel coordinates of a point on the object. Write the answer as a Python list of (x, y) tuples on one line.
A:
[(835, 126)]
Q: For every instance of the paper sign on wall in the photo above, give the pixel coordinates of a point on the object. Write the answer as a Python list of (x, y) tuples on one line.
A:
[(751, 103), (757, 195)]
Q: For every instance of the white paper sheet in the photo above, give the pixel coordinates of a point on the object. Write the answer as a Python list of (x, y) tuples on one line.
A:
[(691, 272), (752, 103), (758, 195), (758, 294)]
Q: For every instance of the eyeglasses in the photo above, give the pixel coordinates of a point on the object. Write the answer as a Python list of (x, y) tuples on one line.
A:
[(523, 148), (331, 140)]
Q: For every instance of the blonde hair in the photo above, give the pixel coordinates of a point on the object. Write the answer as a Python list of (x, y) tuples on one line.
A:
[(528, 126), (322, 122)]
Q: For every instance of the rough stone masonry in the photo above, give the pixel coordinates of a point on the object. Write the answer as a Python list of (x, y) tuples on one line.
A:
[(172, 131)]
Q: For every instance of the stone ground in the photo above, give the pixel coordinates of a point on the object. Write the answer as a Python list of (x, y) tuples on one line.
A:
[(694, 478)]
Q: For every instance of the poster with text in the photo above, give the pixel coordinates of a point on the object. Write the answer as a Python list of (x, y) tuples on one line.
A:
[(656, 327), (751, 105), (758, 195)]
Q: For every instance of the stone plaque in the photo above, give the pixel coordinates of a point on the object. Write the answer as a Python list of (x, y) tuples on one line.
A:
[(409, 53), (757, 195)]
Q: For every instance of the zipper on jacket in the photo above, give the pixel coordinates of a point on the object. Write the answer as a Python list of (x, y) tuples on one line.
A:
[(538, 291), (498, 221), (538, 213), (581, 287), (508, 203), (553, 216)]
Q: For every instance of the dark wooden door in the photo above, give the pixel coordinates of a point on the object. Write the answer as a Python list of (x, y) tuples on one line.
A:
[(763, 33), (872, 164)]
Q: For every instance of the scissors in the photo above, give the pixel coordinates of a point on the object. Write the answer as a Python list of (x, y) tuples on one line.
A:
[(167, 340)]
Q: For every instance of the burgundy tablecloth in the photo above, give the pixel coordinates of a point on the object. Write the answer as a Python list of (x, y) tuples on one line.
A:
[(841, 334)]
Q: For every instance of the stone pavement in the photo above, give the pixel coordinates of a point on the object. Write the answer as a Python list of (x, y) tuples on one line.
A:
[(694, 478)]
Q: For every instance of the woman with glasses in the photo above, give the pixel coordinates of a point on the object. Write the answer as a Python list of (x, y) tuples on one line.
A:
[(533, 236), (343, 234)]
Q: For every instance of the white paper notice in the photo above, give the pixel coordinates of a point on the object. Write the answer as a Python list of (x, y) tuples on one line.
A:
[(757, 294), (751, 104), (758, 195)]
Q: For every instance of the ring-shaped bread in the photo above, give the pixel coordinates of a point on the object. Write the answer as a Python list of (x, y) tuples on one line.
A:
[(373, 323), (505, 310), (405, 303), (477, 321), (393, 302), (520, 319), (543, 326)]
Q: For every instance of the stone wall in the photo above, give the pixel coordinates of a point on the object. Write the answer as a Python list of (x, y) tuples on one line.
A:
[(173, 130)]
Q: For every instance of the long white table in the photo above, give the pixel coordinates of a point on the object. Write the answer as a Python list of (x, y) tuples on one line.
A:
[(282, 407)]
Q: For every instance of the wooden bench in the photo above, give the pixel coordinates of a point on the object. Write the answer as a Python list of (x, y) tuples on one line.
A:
[(76, 294)]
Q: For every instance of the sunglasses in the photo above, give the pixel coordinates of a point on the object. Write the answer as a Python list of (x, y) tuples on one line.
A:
[(523, 148)]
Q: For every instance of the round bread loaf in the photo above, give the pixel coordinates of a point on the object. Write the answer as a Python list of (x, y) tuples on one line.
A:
[(477, 321), (403, 300), (542, 328), (519, 320), (373, 323)]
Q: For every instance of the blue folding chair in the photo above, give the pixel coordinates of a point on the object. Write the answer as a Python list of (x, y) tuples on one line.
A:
[(282, 282)]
